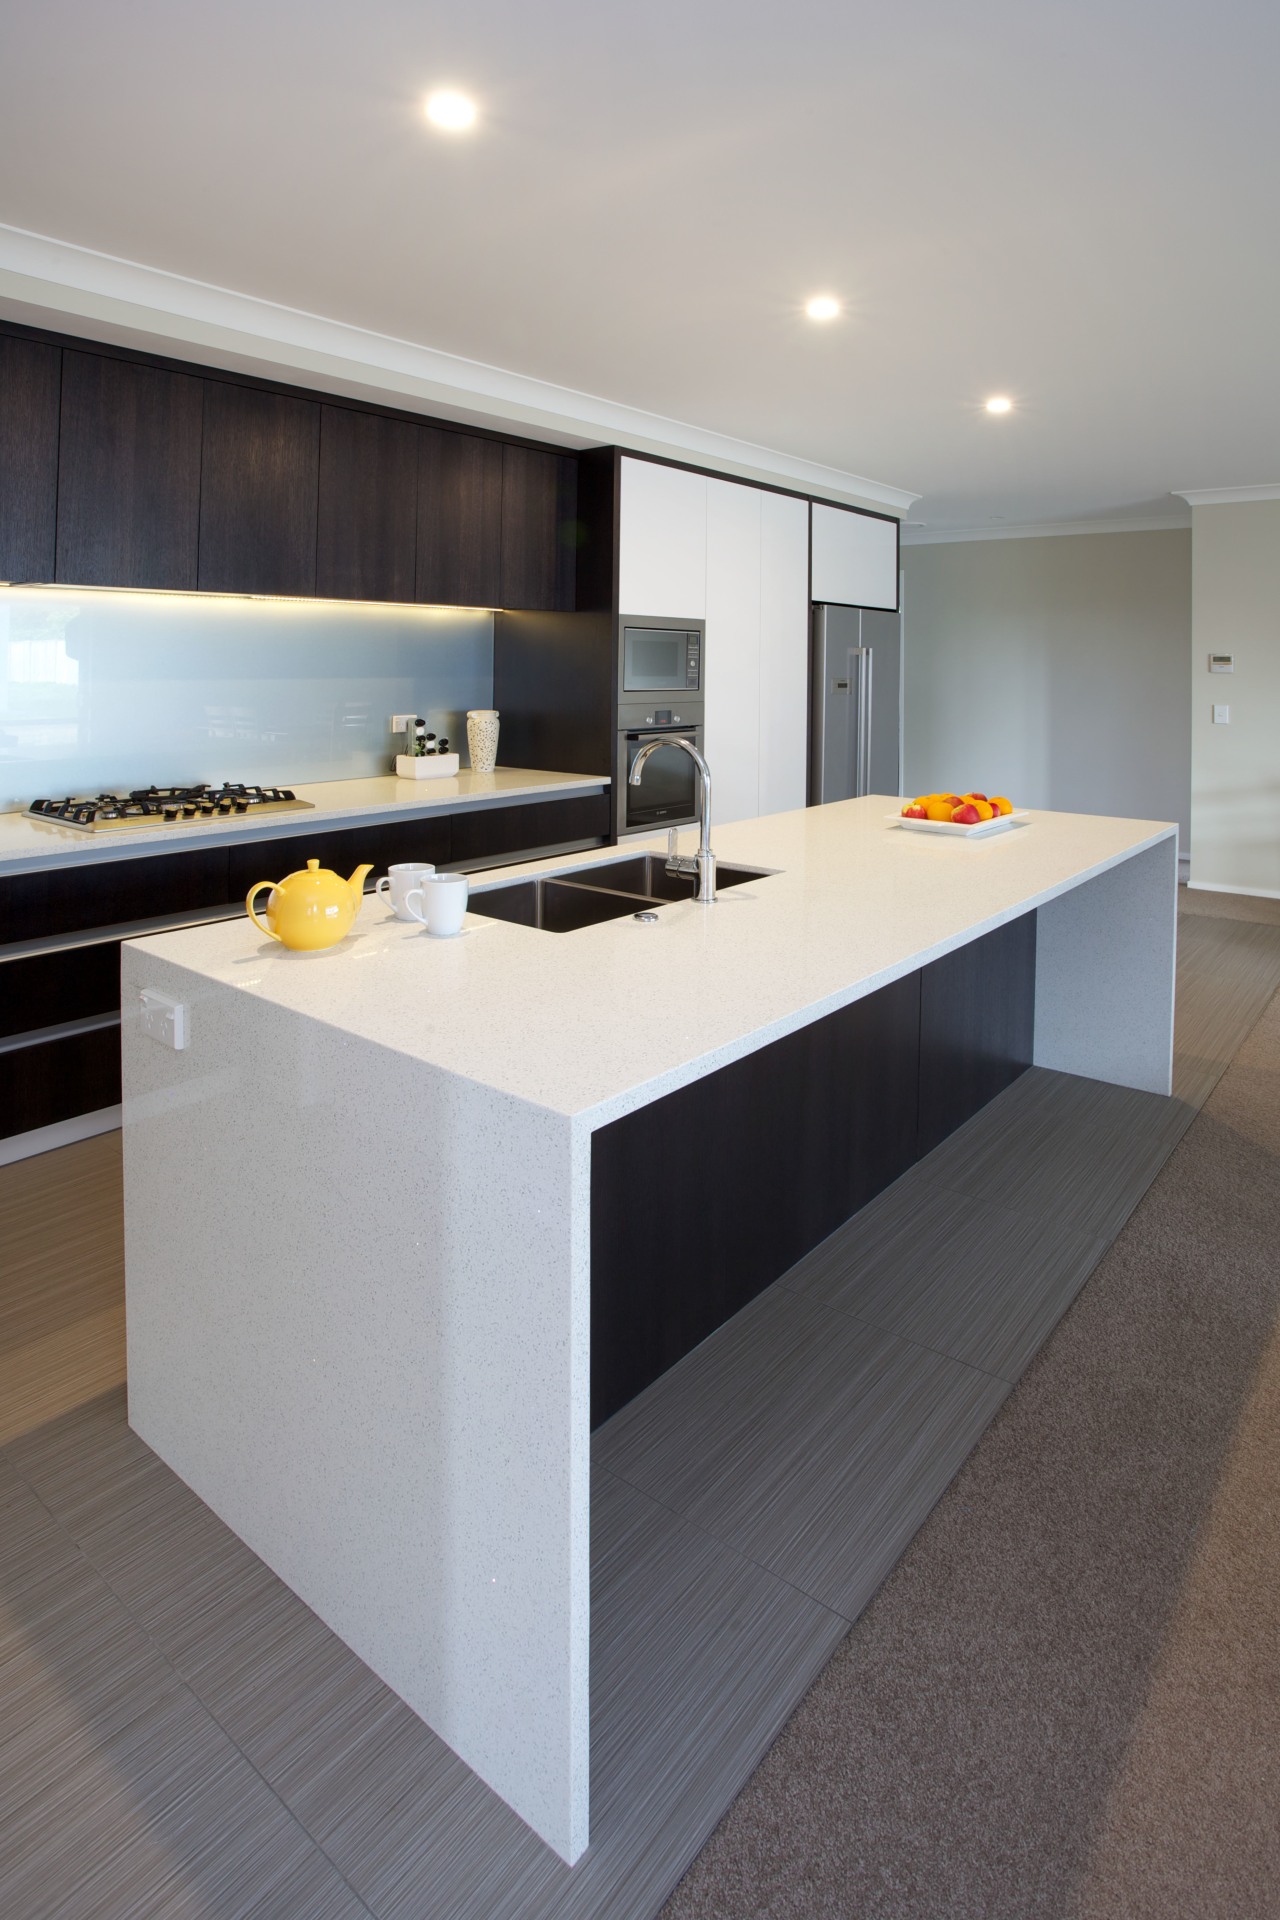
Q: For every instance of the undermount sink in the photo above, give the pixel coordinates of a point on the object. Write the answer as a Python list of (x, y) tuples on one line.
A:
[(563, 903), (647, 873), (556, 906)]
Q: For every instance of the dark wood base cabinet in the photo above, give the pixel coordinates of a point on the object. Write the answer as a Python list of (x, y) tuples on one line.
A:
[(703, 1198), (61, 930)]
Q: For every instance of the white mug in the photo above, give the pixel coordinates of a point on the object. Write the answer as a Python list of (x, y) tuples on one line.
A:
[(439, 902), (397, 882)]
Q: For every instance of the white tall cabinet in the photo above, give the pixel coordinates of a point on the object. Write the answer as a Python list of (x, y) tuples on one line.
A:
[(737, 557)]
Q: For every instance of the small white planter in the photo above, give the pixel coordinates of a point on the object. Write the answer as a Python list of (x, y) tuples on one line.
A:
[(482, 738), (426, 766)]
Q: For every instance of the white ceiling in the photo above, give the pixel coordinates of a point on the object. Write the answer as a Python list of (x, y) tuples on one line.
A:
[(1074, 204)]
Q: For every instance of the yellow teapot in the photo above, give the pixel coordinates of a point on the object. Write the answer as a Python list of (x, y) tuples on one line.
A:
[(309, 910)]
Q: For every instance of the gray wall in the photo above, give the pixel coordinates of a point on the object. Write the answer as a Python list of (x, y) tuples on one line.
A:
[(1236, 768), (1054, 670)]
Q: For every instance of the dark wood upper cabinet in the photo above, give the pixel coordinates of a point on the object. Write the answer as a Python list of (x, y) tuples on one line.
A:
[(539, 504), (367, 535), (259, 481), (30, 373), (128, 474), (459, 519)]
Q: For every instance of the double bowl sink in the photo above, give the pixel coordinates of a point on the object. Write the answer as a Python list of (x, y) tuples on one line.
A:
[(561, 903)]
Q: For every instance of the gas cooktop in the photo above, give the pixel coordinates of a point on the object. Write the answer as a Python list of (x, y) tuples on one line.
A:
[(166, 806)]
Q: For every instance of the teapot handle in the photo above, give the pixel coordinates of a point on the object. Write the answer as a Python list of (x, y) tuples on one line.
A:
[(249, 899)]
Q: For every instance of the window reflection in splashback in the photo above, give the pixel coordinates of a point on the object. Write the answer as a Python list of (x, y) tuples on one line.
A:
[(106, 691)]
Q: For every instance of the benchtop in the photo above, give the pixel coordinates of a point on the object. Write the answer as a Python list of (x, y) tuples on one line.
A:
[(594, 1023), (31, 846)]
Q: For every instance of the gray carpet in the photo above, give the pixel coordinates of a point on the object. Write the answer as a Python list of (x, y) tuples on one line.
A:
[(1065, 1700)]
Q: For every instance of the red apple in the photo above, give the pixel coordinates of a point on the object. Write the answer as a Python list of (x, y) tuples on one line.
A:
[(965, 816), (915, 812)]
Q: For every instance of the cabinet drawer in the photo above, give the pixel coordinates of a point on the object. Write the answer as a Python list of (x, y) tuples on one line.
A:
[(111, 893), (499, 831), (342, 849), (71, 983), (57, 1079)]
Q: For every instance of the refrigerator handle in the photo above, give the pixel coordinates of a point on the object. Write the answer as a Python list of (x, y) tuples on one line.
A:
[(862, 743)]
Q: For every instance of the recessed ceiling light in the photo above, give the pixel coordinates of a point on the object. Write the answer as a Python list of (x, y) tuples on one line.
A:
[(822, 307), (451, 111), (999, 403)]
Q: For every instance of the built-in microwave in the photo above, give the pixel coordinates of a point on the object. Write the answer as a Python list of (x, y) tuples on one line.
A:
[(661, 656)]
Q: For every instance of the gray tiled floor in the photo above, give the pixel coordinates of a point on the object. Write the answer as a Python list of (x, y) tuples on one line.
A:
[(182, 1737)]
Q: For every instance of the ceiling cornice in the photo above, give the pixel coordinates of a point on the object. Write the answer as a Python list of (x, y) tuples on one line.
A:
[(1047, 529), (50, 283), (1228, 496)]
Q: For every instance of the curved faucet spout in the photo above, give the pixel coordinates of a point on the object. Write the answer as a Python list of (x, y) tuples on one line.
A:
[(705, 861)]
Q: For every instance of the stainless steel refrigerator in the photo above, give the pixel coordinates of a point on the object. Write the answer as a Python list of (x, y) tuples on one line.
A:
[(854, 704)]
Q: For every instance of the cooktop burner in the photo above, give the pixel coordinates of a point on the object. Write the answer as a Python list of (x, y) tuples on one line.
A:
[(166, 806)]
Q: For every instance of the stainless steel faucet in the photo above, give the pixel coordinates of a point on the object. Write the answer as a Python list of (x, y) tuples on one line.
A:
[(703, 863)]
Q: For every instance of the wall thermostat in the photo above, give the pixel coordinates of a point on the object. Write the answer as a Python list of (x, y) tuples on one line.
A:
[(1222, 663)]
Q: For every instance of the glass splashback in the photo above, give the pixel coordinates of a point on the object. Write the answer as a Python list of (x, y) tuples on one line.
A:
[(107, 691)]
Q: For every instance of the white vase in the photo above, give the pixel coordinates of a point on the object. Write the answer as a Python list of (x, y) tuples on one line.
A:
[(482, 738)]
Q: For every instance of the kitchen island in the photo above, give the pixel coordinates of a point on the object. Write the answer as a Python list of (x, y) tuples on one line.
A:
[(359, 1204)]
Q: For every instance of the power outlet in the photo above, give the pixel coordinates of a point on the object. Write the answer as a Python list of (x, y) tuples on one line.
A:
[(399, 721), (164, 1019)]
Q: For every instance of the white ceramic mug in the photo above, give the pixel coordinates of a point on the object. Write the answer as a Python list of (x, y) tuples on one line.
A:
[(439, 901), (397, 881)]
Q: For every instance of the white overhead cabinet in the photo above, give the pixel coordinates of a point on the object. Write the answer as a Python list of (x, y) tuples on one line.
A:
[(737, 557), (855, 558)]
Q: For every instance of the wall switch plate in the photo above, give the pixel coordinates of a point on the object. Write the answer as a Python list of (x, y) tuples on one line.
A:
[(399, 721), (164, 1019), (1222, 716), (1222, 663)]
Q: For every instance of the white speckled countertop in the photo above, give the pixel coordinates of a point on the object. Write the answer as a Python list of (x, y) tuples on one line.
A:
[(28, 846), (601, 1020)]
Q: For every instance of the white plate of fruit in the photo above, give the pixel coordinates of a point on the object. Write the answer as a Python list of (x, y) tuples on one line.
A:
[(971, 816)]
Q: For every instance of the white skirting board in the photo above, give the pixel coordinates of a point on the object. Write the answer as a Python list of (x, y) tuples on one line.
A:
[(1247, 893), (23, 1146)]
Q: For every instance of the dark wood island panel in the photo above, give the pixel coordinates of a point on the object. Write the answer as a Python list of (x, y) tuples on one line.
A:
[(702, 1199), (705, 1197), (977, 1026)]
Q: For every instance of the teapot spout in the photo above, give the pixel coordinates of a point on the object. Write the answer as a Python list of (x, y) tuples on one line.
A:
[(357, 880)]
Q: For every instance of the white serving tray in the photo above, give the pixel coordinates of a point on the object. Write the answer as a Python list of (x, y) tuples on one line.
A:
[(984, 828)]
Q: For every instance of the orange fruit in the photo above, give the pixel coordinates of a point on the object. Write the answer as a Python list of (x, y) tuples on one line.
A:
[(938, 810), (1000, 804), (985, 809)]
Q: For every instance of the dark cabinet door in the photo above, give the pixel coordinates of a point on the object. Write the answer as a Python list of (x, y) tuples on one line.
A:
[(30, 373), (260, 470), (539, 503), (367, 535), (459, 519), (128, 474)]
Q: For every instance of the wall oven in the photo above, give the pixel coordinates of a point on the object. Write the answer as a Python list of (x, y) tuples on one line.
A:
[(668, 792)]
